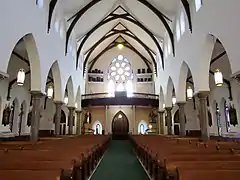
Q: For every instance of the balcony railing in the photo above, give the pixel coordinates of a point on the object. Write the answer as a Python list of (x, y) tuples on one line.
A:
[(107, 95), (120, 98)]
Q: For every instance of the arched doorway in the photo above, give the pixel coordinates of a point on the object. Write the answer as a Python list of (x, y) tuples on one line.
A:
[(120, 126)]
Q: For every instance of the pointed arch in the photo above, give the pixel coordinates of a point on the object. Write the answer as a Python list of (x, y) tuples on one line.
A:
[(70, 92), (57, 81), (78, 98), (161, 99), (169, 93), (142, 127), (120, 123), (185, 73), (33, 61), (97, 127)]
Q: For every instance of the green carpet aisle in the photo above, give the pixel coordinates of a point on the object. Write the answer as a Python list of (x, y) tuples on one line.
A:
[(119, 163)]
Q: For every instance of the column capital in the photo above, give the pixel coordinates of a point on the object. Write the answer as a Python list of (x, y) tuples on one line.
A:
[(58, 102), (181, 103), (161, 111), (168, 108), (70, 108), (202, 94), (38, 94), (79, 111)]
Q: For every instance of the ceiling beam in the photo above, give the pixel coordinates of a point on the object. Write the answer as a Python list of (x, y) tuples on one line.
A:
[(163, 20), (218, 57), (113, 17), (21, 57), (188, 12), (77, 17), (52, 5), (112, 33), (114, 44)]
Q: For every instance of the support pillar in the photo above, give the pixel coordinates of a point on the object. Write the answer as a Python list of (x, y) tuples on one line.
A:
[(70, 120), (105, 127), (36, 112), (169, 120), (79, 122), (182, 118), (58, 105), (135, 128), (160, 122), (203, 114)]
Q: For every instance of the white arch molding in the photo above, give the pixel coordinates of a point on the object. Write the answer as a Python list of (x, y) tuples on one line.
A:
[(97, 127), (78, 98), (34, 61), (56, 81), (169, 93), (142, 127), (70, 89)]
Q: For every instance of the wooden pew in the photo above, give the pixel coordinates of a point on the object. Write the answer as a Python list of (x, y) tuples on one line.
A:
[(51, 158), (176, 158)]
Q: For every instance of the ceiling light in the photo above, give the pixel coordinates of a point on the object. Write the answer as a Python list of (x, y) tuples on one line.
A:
[(120, 46)]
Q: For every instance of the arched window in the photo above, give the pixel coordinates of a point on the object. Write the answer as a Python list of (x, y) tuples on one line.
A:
[(142, 129), (218, 120), (62, 31), (98, 129), (40, 3), (169, 46), (56, 25), (178, 33), (198, 4), (227, 116), (120, 76), (182, 22)]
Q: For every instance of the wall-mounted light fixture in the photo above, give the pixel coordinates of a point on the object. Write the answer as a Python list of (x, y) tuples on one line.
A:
[(20, 77), (218, 77), (189, 93)]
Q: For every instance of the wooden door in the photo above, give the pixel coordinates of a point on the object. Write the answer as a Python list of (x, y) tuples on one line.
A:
[(120, 124)]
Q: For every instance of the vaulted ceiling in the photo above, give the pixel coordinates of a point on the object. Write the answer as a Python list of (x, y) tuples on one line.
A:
[(97, 23)]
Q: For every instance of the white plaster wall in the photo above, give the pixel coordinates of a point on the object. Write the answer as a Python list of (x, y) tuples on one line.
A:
[(216, 17), (50, 46)]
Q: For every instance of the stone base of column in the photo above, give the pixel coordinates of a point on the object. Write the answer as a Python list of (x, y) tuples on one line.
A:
[(203, 114), (169, 120)]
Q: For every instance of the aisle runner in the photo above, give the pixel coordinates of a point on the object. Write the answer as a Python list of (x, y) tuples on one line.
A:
[(119, 163)]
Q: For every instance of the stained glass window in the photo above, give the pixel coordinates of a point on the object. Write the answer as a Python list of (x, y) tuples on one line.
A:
[(120, 76)]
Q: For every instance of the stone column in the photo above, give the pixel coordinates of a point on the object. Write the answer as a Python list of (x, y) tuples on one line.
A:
[(70, 120), (36, 113), (79, 122), (135, 129), (105, 126), (182, 118), (169, 120), (203, 114), (58, 105), (160, 121)]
